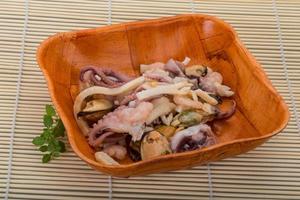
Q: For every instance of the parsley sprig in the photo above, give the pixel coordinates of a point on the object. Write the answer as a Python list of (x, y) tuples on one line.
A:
[(50, 141)]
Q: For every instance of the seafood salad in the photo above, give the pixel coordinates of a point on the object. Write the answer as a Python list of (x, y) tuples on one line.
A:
[(165, 110)]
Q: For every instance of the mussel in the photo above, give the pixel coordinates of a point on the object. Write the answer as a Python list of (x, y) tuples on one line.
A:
[(95, 110), (190, 117), (196, 71), (167, 131), (154, 144)]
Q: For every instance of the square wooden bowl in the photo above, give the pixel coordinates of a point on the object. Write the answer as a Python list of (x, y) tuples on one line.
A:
[(261, 112)]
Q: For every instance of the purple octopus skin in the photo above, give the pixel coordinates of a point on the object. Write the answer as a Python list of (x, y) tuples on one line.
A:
[(83, 73), (180, 65), (114, 140), (124, 119), (95, 141), (128, 98), (132, 96), (209, 80), (156, 75), (175, 68), (108, 77), (192, 138)]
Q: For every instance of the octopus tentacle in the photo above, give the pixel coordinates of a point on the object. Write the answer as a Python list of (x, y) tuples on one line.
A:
[(128, 98), (106, 77), (95, 142), (124, 119), (173, 67)]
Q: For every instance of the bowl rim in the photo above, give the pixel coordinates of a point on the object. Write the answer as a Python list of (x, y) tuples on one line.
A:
[(267, 83)]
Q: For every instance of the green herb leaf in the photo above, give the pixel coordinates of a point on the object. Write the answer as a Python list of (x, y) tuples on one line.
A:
[(62, 147), (47, 135), (59, 130), (52, 146), (49, 141), (56, 154), (38, 141), (48, 121), (43, 148), (46, 158), (50, 110)]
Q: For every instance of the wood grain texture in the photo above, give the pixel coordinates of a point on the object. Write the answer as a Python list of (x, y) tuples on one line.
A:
[(261, 112)]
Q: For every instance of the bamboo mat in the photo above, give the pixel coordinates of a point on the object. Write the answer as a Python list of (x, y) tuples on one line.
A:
[(269, 28)]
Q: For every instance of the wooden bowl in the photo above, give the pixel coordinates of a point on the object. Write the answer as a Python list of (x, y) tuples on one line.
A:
[(261, 112)]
